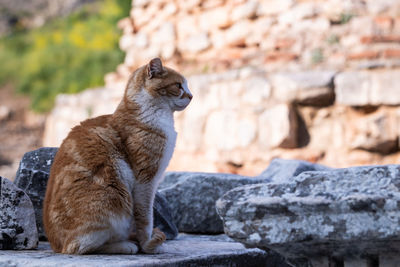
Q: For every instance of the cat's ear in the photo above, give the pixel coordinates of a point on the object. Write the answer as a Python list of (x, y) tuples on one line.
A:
[(154, 68)]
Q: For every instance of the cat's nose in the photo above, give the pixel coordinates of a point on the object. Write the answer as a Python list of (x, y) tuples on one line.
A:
[(188, 95)]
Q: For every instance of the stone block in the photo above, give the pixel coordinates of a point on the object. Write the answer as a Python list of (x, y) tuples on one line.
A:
[(308, 88), (192, 198), (237, 33), (247, 10), (257, 90), (227, 130), (195, 43), (278, 127), (214, 19), (362, 88), (376, 132), (17, 218), (273, 7)]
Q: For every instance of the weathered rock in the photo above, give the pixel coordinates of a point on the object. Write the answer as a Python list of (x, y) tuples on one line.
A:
[(192, 198), (162, 217), (308, 88), (17, 219), (186, 250), (284, 170), (340, 213), (32, 177)]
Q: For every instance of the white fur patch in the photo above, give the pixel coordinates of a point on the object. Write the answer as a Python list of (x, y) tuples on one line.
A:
[(158, 114), (120, 228), (125, 174)]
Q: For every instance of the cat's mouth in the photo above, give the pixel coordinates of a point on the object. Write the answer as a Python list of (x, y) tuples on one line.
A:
[(179, 107)]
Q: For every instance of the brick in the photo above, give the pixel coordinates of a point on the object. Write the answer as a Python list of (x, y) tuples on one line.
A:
[(278, 55), (363, 55), (391, 53), (283, 43), (396, 26), (380, 39), (384, 22)]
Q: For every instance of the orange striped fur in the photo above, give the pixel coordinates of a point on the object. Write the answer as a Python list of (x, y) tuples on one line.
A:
[(104, 176)]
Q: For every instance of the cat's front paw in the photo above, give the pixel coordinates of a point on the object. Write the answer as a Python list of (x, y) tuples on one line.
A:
[(153, 246)]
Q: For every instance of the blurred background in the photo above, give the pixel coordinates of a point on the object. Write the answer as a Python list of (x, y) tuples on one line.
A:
[(303, 79)]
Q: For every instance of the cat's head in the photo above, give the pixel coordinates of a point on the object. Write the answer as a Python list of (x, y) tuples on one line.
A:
[(162, 84)]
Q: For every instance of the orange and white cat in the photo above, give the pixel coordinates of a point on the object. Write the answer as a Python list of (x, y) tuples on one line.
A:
[(104, 177)]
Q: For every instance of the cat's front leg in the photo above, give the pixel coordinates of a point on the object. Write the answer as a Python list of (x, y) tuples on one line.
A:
[(149, 240)]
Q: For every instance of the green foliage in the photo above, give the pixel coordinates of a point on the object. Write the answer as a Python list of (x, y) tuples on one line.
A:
[(67, 55), (333, 39), (345, 18), (317, 56)]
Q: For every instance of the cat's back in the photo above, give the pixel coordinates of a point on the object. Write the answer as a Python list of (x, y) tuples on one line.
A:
[(80, 179), (88, 144)]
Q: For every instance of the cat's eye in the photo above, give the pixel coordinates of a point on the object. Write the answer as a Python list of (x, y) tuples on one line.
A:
[(162, 91)]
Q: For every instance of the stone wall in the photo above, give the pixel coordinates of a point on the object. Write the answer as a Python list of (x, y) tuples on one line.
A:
[(314, 80)]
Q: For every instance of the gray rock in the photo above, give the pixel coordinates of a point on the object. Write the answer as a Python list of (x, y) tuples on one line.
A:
[(162, 217), (192, 198), (339, 213), (32, 177), (284, 170), (17, 219), (184, 251)]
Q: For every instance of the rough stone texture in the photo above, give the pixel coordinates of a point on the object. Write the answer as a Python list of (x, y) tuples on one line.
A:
[(17, 219), (308, 87), (284, 170), (186, 250), (342, 213), (192, 198), (32, 177), (162, 217)]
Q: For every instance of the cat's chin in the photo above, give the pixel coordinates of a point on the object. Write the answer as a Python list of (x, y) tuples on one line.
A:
[(179, 107)]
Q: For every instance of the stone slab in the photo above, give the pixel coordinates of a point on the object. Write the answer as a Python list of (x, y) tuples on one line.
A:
[(340, 213), (186, 250)]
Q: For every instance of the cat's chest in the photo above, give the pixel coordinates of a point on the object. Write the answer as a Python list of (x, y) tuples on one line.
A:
[(169, 147)]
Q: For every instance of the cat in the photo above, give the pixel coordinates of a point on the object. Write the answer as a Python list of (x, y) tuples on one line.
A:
[(105, 174)]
